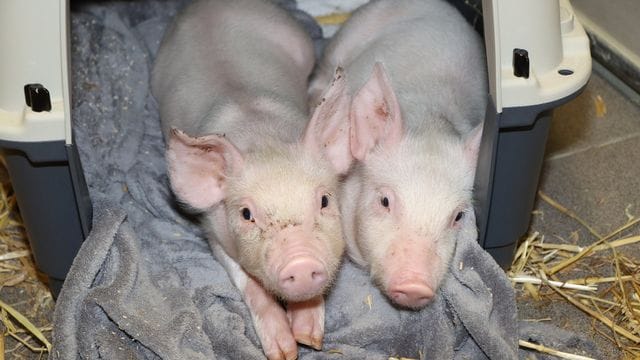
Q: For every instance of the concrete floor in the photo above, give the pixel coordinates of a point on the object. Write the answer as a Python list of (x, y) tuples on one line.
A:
[(613, 28), (591, 167), (617, 19)]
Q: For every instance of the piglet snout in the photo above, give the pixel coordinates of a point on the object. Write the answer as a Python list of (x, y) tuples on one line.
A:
[(412, 294), (302, 277)]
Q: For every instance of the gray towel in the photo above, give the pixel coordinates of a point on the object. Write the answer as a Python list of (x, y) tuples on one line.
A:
[(115, 305), (145, 284)]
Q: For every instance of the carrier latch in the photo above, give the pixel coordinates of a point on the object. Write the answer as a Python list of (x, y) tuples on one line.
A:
[(521, 63), (37, 97)]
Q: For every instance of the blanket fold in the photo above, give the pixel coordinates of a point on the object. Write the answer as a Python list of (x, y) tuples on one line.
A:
[(111, 307), (113, 303)]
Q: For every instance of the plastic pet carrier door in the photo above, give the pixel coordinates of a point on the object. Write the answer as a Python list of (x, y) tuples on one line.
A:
[(35, 132), (538, 58), (537, 55)]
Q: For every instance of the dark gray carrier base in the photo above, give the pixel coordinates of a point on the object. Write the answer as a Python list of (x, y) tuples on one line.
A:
[(54, 202), (506, 182)]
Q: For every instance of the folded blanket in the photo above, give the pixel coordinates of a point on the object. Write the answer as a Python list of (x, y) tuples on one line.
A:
[(145, 284), (115, 304)]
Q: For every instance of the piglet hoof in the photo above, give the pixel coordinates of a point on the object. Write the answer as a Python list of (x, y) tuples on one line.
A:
[(307, 321), (282, 347), (271, 324), (278, 342)]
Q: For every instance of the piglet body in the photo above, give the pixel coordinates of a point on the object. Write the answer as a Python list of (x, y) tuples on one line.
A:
[(230, 79), (417, 75)]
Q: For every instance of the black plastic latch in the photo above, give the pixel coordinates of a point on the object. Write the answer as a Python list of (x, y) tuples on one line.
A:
[(521, 63), (37, 97)]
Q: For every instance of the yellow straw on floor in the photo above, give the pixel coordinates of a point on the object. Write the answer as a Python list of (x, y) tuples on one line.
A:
[(332, 19)]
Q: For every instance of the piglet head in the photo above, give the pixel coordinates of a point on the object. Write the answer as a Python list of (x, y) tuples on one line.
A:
[(274, 210), (287, 229), (415, 195)]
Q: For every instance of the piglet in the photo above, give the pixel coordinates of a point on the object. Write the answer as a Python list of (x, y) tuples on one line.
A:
[(231, 82), (417, 72)]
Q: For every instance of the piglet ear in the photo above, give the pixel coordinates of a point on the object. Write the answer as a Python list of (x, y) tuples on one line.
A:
[(472, 145), (328, 130), (375, 115), (198, 167)]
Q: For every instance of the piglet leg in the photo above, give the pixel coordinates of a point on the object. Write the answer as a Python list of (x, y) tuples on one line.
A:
[(307, 321), (269, 318), (270, 322)]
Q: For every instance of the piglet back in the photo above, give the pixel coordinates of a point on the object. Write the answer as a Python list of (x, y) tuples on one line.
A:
[(223, 61), (414, 40)]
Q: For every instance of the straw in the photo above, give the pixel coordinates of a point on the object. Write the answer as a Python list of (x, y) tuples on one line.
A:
[(546, 350), (609, 282), (17, 270), (27, 325)]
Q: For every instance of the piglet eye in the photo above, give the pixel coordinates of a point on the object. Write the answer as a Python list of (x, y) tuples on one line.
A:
[(459, 216), (325, 201), (385, 202), (246, 214)]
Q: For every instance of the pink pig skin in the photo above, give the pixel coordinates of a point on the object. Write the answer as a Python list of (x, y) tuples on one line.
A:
[(417, 74), (231, 82)]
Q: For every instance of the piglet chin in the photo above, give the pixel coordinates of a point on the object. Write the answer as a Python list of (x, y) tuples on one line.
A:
[(301, 278), (413, 293)]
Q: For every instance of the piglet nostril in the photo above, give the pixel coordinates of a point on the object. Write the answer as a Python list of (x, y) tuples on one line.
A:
[(303, 275), (318, 276)]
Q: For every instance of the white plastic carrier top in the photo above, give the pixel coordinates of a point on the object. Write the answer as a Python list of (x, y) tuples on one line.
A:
[(555, 42), (33, 44), (35, 51)]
